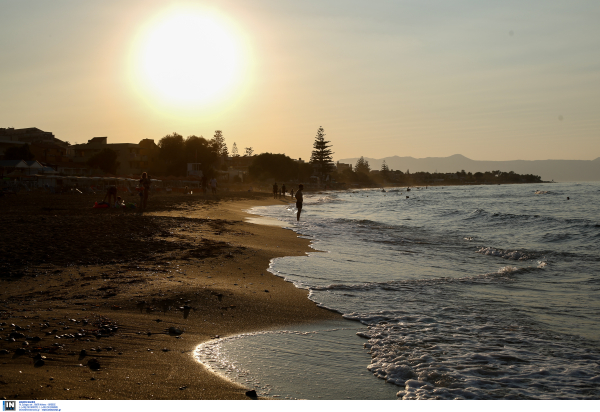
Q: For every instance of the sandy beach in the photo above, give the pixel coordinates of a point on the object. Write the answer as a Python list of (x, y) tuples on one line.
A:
[(109, 304)]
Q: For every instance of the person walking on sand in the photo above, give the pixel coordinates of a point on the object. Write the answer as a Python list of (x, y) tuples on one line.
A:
[(283, 190), (299, 200), (145, 186), (275, 190)]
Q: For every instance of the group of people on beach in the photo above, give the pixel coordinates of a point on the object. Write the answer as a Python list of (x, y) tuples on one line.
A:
[(278, 193), (212, 183), (145, 183), (144, 190)]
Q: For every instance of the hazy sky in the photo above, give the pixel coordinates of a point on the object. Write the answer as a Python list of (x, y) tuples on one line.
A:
[(492, 80)]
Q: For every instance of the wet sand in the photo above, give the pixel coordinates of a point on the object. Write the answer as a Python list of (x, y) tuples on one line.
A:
[(109, 304)]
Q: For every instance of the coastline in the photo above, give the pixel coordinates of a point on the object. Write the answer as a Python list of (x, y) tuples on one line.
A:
[(206, 277)]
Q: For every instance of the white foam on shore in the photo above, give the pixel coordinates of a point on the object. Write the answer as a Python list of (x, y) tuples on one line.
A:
[(318, 361), (267, 221)]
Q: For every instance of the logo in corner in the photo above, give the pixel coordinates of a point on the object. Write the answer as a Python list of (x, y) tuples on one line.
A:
[(9, 405)]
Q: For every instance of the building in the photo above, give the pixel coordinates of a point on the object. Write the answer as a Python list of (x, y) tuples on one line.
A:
[(49, 152), (343, 166), (29, 135), (133, 158)]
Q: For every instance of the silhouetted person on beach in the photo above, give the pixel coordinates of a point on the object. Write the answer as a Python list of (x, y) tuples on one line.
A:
[(145, 186), (275, 189), (283, 190), (111, 193), (299, 200)]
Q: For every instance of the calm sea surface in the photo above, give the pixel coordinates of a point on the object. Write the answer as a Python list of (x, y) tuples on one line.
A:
[(471, 292)]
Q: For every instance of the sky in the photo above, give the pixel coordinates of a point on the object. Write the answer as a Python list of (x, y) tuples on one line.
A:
[(510, 80)]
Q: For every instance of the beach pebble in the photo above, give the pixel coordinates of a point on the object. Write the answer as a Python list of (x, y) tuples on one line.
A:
[(175, 331), (93, 364)]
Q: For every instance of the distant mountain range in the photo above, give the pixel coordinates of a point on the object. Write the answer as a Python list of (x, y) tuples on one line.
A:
[(557, 170)]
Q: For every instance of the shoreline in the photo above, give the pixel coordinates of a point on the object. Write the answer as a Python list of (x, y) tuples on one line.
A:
[(207, 277)]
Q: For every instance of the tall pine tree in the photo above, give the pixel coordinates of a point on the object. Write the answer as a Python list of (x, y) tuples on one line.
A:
[(321, 155)]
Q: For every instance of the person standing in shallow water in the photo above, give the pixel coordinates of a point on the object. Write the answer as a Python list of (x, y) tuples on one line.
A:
[(145, 186), (299, 200)]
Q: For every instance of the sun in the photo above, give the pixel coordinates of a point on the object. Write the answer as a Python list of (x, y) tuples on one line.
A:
[(188, 57)]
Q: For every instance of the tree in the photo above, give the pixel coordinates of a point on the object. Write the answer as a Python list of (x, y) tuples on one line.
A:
[(219, 142), (200, 150), (321, 155), (21, 152), (106, 160), (362, 166), (273, 166), (172, 152), (234, 150), (385, 170), (249, 151)]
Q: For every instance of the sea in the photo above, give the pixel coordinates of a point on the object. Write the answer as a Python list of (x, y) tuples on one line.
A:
[(445, 292)]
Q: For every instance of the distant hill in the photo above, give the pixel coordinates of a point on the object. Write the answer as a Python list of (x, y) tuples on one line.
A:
[(557, 170)]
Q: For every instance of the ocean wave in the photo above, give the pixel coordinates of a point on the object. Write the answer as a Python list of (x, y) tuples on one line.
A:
[(418, 285), (565, 223), (506, 254), (443, 356)]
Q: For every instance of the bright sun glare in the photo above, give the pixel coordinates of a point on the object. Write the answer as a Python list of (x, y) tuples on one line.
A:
[(188, 58)]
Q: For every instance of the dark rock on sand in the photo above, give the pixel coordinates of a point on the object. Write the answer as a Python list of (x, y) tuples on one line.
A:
[(93, 364), (173, 331), (252, 394)]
